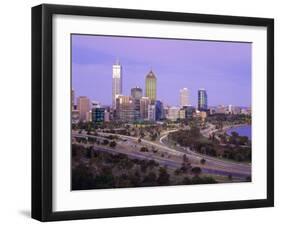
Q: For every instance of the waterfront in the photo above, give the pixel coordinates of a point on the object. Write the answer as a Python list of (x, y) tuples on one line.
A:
[(245, 130)]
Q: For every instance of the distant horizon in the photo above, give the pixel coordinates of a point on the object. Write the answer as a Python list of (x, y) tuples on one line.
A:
[(223, 69)]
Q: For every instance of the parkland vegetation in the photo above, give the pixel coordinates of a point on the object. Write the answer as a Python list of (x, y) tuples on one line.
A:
[(94, 169), (233, 147)]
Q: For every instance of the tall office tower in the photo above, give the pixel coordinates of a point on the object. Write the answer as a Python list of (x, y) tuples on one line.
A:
[(151, 112), (83, 106), (124, 108), (150, 86), (116, 82), (136, 94), (159, 110), (144, 102), (202, 100), (184, 97)]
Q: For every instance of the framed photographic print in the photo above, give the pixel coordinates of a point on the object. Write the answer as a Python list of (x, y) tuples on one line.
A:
[(145, 112)]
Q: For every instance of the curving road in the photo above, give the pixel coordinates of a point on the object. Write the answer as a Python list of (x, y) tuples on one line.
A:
[(212, 166)]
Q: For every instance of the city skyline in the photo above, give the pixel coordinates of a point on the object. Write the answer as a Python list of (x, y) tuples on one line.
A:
[(92, 70), (159, 112)]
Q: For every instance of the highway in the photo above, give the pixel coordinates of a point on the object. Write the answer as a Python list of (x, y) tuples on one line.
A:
[(173, 156), (235, 167)]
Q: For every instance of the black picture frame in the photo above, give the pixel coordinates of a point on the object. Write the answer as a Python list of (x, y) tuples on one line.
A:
[(42, 107)]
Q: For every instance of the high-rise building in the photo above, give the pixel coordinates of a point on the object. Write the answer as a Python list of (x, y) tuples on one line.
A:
[(144, 102), (189, 111), (124, 108), (136, 94), (151, 112), (184, 97), (159, 110), (202, 100), (83, 106), (98, 115), (173, 113), (116, 82), (150, 86)]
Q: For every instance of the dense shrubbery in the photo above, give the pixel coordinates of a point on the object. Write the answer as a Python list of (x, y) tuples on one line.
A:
[(236, 147), (229, 119), (92, 169)]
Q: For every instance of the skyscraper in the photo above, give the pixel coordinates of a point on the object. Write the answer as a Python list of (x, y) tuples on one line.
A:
[(150, 86), (116, 82), (202, 100), (98, 115), (151, 112), (136, 94), (184, 97), (124, 108), (159, 110), (83, 105), (144, 102)]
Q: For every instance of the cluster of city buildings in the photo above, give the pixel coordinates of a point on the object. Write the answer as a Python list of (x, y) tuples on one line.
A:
[(229, 109), (140, 105)]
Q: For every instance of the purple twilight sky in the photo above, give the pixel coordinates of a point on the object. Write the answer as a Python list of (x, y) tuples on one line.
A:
[(222, 68)]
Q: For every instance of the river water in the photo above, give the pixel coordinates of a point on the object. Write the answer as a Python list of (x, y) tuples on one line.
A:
[(242, 131)]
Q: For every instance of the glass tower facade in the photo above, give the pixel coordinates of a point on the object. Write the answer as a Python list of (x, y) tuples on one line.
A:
[(98, 115), (136, 94), (202, 100), (159, 110)]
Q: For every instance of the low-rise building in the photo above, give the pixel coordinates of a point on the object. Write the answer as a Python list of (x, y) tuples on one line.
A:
[(173, 113)]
